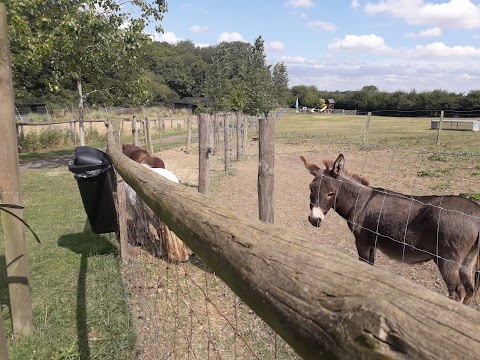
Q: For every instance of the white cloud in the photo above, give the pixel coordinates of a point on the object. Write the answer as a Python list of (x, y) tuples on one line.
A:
[(125, 25), (299, 3), (440, 50), (230, 37), (418, 75), (198, 28), (432, 32), (355, 4), (375, 44), (321, 25), (202, 45), (168, 37), (366, 43), (461, 14), (297, 60), (275, 46)]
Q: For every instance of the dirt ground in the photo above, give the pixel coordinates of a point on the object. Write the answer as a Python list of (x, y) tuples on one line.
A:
[(393, 169), (186, 311)]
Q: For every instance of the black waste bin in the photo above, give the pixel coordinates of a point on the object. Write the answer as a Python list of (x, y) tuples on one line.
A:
[(96, 181)]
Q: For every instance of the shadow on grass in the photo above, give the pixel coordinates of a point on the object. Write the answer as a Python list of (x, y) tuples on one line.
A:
[(86, 244)]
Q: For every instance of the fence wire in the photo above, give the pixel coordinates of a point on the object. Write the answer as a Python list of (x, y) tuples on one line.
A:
[(183, 310)]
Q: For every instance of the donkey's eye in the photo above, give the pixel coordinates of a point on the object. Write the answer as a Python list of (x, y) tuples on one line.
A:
[(330, 194)]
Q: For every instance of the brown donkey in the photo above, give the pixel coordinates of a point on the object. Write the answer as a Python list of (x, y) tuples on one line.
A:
[(406, 228)]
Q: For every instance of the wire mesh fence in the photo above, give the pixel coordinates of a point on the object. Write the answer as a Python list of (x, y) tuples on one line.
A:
[(183, 310)]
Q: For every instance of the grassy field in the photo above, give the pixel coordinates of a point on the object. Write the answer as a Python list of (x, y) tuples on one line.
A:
[(383, 132), (79, 304)]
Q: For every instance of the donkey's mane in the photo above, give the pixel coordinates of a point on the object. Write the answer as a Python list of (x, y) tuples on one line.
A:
[(353, 176)]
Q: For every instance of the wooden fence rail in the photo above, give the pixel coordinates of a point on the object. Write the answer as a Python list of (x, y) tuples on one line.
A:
[(323, 303)]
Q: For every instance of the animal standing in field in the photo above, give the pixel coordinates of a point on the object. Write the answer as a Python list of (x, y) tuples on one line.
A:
[(146, 229), (142, 156), (411, 229)]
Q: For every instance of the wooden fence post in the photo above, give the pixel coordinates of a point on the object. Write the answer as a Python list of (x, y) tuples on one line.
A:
[(134, 131), (367, 124), (216, 133), (440, 127), (148, 136), (10, 193), (245, 134), (74, 132), (189, 135), (204, 151), (266, 160), (226, 140), (239, 136)]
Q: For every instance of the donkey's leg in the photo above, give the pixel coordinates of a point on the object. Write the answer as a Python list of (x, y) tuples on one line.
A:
[(451, 275), (466, 274), (366, 252)]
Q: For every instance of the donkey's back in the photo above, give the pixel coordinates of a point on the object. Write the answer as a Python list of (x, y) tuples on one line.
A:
[(421, 228)]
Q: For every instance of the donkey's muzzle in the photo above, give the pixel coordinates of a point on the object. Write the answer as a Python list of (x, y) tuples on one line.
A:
[(316, 216), (315, 221)]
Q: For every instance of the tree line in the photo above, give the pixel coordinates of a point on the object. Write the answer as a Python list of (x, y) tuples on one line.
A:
[(370, 98), (67, 53)]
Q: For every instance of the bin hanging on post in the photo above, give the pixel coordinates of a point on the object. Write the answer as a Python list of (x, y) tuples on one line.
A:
[(96, 181)]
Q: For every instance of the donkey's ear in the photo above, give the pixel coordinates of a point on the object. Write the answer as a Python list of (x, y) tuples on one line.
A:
[(338, 165), (312, 168)]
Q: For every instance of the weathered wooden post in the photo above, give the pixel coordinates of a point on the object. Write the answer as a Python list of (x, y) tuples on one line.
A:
[(226, 140), (204, 151), (367, 124), (148, 135), (134, 131), (74, 132), (10, 193), (266, 160), (189, 135), (440, 127), (216, 133), (245, 134), (239, 136)]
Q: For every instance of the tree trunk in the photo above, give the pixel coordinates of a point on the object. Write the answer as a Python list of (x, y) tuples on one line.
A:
[(81, 128)]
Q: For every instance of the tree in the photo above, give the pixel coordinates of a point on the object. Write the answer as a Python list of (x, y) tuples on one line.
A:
[(89, 41), (259, 81), (280, 84)]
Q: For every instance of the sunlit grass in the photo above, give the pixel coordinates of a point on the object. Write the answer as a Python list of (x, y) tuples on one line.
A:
[(382, 132), (79, 304)]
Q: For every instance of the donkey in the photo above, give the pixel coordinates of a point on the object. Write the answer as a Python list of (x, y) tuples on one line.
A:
[(411, 229)]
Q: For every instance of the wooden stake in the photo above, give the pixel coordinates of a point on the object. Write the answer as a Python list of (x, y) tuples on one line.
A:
[(10, 192)]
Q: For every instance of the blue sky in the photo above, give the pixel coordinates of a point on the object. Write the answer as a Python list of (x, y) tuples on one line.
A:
[(346, 44)]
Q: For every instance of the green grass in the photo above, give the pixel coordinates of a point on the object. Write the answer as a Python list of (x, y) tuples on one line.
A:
[(383, 132), (79, 304)]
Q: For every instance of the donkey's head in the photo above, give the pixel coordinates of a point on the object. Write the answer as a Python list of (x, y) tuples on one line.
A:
[(323, 188)]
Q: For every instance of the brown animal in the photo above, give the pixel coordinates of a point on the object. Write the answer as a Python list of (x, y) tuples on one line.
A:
[(147, 229), (142, 156), (411, 229)]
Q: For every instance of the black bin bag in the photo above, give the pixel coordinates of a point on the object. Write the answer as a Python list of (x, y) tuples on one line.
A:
[(96, 181)]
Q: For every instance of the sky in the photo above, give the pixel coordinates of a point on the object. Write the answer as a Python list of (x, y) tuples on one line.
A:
[(345, 44)]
